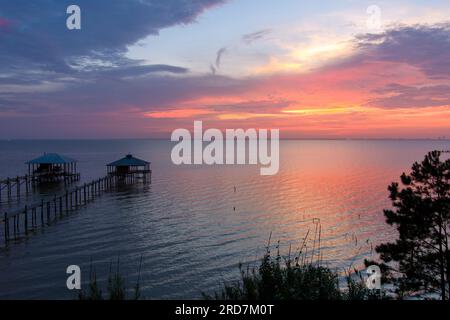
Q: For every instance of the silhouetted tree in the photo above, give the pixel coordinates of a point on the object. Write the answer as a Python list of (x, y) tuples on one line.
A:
[(421, 214)]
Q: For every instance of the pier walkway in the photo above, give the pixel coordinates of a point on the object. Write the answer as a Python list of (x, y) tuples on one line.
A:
[(14, 188), (21, 222)]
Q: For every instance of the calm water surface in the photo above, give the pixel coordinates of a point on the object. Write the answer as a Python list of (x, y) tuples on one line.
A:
[(191, 226)]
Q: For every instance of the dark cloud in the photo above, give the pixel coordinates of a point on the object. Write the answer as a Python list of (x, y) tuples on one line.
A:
[(219, 55), (254, 36), (400, 96), (424, 46), (108, 92), (46, 68), (214, 67), (139, 70), (37, 33)]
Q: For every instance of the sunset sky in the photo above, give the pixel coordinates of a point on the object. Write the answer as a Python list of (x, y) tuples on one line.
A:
[(141, 68)]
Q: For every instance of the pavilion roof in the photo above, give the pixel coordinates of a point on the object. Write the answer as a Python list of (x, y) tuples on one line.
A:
[(128, 160), (52, 158)]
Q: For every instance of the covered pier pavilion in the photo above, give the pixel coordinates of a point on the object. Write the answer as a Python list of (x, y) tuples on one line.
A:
[(53, 167), (130, 167)]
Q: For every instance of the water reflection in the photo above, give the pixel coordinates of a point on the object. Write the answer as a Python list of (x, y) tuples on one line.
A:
[(194, 224)]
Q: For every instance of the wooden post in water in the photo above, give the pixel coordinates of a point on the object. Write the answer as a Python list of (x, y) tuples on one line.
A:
[(26, 219), (6, 228), (42, 212), (54, 204), (67, 201), (26, 184), (15, 227), (18, 187), (48, 212), (18, 223), (8, 183), (33, 217)]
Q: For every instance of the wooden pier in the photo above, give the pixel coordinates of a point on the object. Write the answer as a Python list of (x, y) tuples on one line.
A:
[(21, 222), (50, 167), (14, 188)]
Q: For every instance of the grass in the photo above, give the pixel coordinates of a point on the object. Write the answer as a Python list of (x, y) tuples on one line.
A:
[(299, 277), (116, 288)]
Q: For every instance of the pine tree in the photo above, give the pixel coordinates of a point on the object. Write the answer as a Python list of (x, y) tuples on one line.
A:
[(420, 256)]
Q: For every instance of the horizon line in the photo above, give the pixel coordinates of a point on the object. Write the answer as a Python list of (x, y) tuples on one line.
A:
[(168, 139)]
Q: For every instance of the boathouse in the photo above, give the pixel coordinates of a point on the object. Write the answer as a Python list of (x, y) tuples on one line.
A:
[(129, 166), (53, 167)]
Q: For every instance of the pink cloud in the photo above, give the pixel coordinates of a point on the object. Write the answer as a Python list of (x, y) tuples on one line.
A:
[(5, 23)]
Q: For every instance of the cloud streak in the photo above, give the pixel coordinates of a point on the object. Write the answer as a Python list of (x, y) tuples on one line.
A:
[(249, 38)]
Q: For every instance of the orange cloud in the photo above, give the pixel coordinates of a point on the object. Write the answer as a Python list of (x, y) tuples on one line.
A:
[(364, 94), (178, 113)]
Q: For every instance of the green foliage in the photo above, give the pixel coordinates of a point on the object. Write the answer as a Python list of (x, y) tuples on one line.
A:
[(419, 260), (291, 279), (116, 286), (94, 292)]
